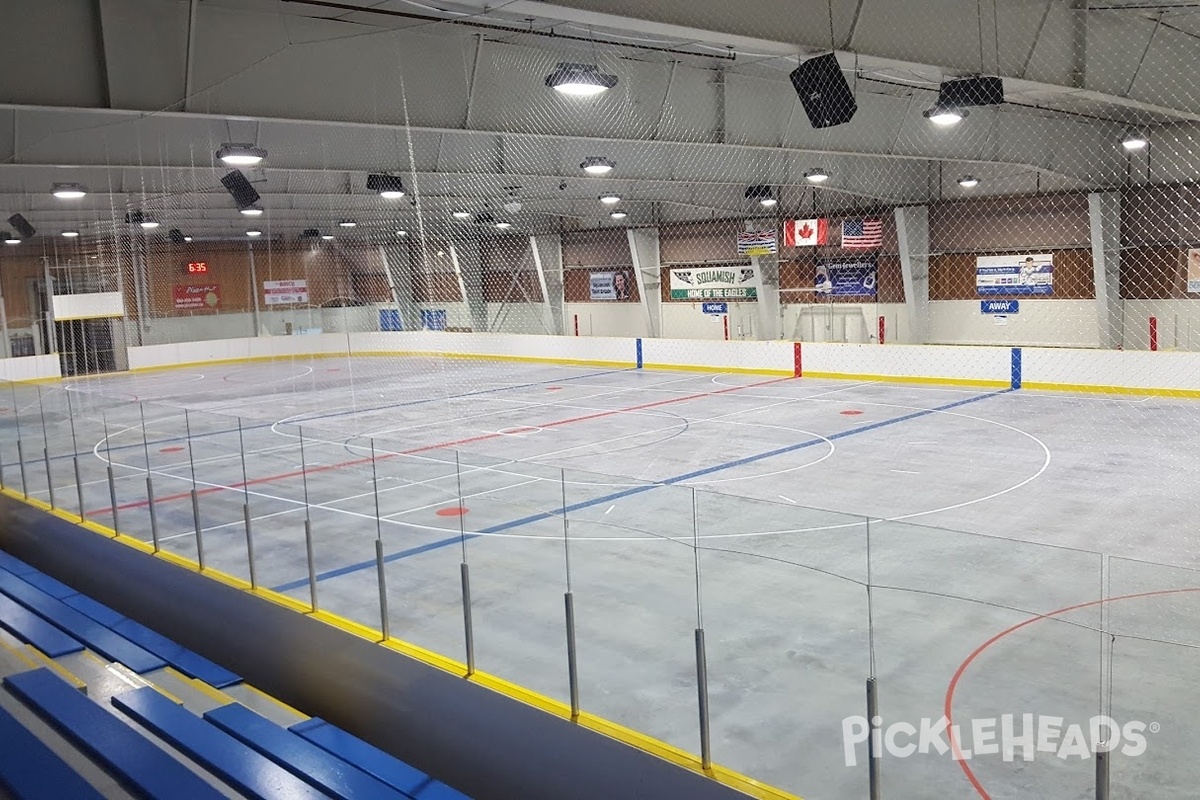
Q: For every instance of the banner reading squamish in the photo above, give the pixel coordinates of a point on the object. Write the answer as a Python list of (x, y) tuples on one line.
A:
[(714, 283), (1029, 274)]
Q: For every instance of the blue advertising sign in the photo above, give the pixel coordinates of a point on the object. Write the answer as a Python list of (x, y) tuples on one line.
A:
[(715, 308), (999, 306), (1020, 275), (846, 278), (389, 320), (433, 320)]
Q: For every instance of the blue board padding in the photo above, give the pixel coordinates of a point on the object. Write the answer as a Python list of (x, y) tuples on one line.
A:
[(639, 353), (97, 637), (373, 761), (32, 629), (1016, 368), (233, 762), (138, 763), (29, 770), (302, 758)]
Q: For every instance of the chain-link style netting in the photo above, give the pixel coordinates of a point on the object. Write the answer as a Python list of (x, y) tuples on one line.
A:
[(631, 301)]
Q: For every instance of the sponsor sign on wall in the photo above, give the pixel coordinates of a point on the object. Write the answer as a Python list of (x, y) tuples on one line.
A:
[(190, 298), (1193, 275), (714, 283), (1027, 274), (846, 278), (278, 293), (608, 286)]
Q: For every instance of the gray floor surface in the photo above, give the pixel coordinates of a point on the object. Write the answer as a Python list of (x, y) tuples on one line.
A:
[(760, 509)]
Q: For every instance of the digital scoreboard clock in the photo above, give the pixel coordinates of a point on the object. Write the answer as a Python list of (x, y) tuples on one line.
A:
[(197, 268)]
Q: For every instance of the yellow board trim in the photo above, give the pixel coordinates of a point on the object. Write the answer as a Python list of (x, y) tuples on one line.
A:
[(1088, 388), (613, 730), (850, 376)]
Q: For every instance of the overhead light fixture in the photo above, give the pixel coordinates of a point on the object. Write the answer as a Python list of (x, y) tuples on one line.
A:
[(402, 233), (69, 191), (187, 238), (618, 215), (503, 225), (461, 215), (328, 237), (70, 234), (816, 175), (148, 223), (595, 165), (9, 238), (968, 181), (763, 194), (347, 223), (1134, 140), (579, 80), (945, 115), (252, 211), (389, 187), (254, 232), (241, 155), (610, 199)]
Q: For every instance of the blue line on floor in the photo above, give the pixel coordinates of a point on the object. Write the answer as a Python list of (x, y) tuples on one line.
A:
[(608, 498), (140, 445)]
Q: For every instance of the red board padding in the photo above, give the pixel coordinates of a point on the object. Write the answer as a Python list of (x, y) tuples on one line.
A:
[(797, 366)]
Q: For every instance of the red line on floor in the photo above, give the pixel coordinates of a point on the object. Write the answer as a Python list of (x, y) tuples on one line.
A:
[(979, 650), (426, 448)]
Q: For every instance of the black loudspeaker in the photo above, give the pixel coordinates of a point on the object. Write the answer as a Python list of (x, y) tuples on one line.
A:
[(22, 225), (967, 92), (176, 236), (243, 193), (823, 91)]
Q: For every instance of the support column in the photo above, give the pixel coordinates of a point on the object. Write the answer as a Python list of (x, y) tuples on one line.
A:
[(912, 230), (255, 289), (547, 259), (467, 256), (769, 324), (398, 270), (647, 271), (1104, 216)]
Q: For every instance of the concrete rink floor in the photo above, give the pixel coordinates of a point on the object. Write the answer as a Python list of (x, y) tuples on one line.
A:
[(999, 532)]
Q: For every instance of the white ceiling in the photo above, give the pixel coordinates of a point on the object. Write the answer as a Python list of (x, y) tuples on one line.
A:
[(132, 97)]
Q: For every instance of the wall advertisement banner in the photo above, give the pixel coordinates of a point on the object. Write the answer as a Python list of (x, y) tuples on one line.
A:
[(608, 286), (847, 278), (715, 283), (1019, 275), (1193, 273), (196, 297), (278, 293)]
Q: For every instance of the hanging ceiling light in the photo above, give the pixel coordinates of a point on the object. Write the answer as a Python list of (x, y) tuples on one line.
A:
[(618, 215), (763, 194), (327, 237), (9, 238), (347, 223), (252, 211), (1135, 140), (945, 115), (595, 165), (461, 215), (503, 225), (579, 80), (610, 199), (968, 181), (69, 191), (241, 155), (187, 238), (254, 232), (402, 232), (816, 175), (389, 187), (70, 234), (148, 223)]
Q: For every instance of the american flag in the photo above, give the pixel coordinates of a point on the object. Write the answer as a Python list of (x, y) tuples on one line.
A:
[(862, 234)]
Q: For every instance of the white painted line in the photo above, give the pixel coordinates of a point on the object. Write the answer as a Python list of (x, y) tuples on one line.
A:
[(904, 471), (610, 508), (790, 500)]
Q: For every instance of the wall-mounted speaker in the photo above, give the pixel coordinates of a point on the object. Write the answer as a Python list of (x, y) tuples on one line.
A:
[(239, 187), (176, 236), (823, 91), (968, 92), (22, 226)]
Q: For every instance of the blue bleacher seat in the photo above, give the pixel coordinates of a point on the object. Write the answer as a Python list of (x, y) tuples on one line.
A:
[(14, 565), (29, 770), (32, 629), (137, 762), (55, 588), (302, 758), (374, 761), (241, 767), (82, 627)]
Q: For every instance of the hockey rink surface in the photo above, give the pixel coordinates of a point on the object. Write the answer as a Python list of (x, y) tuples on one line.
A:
[(1000, 532)]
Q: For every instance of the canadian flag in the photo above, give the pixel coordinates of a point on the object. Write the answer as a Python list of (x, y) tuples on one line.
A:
[(805, 232)]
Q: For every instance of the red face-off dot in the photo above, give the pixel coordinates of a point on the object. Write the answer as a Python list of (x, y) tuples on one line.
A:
[(172, 450), (452, 511), (850, 413), (553, 388)]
